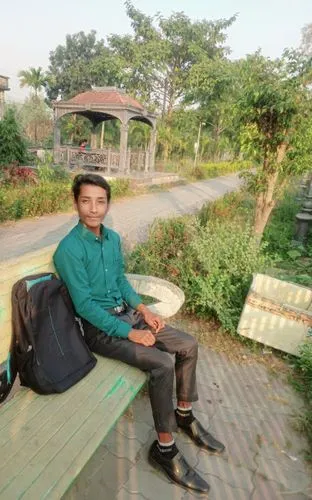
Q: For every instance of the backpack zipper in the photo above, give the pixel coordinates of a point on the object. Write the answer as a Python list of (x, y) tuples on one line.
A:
[(55, 334)]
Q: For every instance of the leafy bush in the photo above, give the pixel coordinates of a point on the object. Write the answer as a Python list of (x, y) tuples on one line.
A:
[(279, 232), (236, 205), (50, 195), (12, 145), (34, 200), (206, 170), (47, 173), (294, 263), (213, 264), (120, 187), (14, 176)]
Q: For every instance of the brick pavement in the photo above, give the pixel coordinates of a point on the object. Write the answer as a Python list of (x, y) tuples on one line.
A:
[(248, 408)]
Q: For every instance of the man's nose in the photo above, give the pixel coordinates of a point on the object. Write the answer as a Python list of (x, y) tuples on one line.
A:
[(93, 206)]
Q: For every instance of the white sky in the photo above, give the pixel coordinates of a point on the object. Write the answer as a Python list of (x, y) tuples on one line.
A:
[(30, 29)]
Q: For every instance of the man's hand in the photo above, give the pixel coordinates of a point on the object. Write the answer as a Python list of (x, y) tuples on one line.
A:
[(154, 321), (144, 337)]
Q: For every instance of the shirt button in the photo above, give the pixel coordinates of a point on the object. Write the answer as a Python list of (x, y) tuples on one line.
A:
[(106, 270), (108, 291)]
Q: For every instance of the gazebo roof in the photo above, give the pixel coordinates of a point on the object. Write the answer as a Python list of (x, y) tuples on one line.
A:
[(104, 103), (105, 95)]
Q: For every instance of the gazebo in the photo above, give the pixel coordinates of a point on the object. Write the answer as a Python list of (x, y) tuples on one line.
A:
[(99, 105)]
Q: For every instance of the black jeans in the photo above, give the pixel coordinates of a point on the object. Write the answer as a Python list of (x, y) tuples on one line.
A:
[(156, 361)]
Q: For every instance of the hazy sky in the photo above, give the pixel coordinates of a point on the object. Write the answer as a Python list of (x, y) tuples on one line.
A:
[(30, 29)]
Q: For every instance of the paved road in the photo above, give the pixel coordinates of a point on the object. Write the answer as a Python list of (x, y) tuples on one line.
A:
[(130, 217)]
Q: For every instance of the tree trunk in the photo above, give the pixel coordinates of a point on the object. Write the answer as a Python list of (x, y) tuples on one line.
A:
[(265, 201)]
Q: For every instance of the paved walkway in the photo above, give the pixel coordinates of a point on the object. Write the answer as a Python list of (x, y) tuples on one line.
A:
[(130, 217), (244, 405)]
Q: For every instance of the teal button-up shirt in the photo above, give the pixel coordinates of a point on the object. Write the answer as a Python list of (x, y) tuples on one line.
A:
[(93, 270)]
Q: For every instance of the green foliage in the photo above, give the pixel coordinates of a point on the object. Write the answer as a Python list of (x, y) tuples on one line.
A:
[(120, 188), (12, 144), (47, 173), (293, 263), (34, 78), (36, 120), (82, 62), (31, 201), (159, 55), (16, 176), (51, 194), (213, 264), (186, 168), (279, 233)]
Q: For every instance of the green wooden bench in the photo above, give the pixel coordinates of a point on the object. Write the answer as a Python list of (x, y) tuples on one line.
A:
[(45, 441)]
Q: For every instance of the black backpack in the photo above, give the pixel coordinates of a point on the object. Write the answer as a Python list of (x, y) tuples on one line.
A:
[(47, 346)]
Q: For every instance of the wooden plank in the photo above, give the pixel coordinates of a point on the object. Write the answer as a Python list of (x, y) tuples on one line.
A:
[(84, 420), (27, 425), (41, 407), (60, 472)]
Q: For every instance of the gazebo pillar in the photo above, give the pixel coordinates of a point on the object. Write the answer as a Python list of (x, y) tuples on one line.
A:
[(124, 128), (152, 149), (57, 134), (93, 137)]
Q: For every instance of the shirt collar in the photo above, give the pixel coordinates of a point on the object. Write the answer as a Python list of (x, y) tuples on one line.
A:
[(88, 235)]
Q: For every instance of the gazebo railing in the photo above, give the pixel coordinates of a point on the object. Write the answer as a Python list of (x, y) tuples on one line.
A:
[(107, 159)]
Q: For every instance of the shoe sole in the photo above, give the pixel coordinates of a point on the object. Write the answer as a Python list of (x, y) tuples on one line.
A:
[(156, 465)]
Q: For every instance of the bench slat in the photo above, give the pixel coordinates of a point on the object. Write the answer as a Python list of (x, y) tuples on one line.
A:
[(77, 418), (52, 483)]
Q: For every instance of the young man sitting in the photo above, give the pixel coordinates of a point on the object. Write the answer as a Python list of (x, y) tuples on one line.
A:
[(118, 325)]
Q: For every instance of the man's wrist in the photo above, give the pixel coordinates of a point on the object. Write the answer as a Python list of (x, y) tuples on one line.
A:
[(142, 308)]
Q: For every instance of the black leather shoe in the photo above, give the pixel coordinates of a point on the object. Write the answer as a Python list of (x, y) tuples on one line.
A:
[(202, 437), (178, 470)]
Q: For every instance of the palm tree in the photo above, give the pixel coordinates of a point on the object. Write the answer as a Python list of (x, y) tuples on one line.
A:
[(33, 78)]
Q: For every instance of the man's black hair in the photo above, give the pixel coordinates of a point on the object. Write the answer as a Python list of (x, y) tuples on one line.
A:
[(94, 180)]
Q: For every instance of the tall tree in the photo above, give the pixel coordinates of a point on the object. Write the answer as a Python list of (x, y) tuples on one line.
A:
[(81, 63), (213, 85), (34, 78), (306, 39), (274, 110), (161, 52), (36, 119)]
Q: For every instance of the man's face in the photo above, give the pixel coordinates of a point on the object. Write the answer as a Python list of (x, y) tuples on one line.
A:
[(92, 206)]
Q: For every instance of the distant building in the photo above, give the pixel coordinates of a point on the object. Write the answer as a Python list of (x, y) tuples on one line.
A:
[(4, 85)]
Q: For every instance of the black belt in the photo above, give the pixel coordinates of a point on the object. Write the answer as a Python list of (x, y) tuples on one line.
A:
[(118, 309)]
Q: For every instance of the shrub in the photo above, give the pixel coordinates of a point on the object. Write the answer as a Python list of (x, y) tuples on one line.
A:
[(12, 145), (213, 264), (50, 195), (279, 232), (120, 187), (14, 176), (206, 170), (25, 201), (47, 173)]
